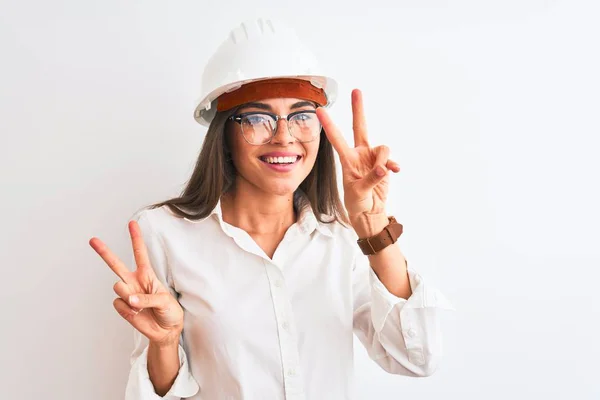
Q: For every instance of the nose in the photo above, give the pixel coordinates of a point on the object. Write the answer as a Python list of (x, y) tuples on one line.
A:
[(282, 133)]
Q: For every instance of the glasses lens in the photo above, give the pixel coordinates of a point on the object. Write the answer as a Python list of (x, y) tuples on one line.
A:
[(305, 126), (257, 128)]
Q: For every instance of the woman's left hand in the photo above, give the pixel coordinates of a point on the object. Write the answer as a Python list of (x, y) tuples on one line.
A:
[(365, 171)]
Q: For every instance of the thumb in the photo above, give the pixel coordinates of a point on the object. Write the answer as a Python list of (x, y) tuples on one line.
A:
[(156, 300), (379, 171), (377, 174)]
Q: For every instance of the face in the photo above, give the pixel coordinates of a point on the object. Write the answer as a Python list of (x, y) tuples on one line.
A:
[(281, 165)]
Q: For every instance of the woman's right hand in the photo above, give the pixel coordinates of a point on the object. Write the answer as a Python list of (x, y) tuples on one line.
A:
[(143, 300)]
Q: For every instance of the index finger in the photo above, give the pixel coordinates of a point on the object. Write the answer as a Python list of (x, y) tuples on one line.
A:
[(333, 133), (111, 259)]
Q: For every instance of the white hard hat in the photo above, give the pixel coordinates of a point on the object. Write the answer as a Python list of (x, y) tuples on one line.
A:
[(257, 50)]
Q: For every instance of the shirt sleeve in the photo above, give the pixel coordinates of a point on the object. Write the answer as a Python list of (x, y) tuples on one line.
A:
[(403, 336), (139, 385)]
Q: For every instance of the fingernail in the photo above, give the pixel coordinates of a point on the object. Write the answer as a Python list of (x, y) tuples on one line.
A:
[(379, 171), (133, 299)]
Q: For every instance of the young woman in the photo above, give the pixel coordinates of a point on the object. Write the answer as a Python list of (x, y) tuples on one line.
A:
[(251, 284)]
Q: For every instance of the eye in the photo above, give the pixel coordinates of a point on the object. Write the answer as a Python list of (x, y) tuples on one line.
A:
[(256, 119), (304, 116)]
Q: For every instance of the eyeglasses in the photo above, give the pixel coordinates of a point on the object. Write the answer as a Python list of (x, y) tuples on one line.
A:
[(260, 127)]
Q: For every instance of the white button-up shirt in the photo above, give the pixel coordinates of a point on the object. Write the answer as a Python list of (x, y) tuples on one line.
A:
[(280, 328)]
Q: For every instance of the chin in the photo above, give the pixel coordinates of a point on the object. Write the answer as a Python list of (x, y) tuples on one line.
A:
[(282, 189)]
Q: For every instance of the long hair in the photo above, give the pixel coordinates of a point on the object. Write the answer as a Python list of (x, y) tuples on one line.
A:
[(214, 174)]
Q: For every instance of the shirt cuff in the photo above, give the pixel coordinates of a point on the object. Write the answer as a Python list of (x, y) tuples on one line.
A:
[(423, 296), (140, 386)]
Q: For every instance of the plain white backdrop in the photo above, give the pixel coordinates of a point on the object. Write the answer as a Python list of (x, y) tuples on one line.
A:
[(491, 109)]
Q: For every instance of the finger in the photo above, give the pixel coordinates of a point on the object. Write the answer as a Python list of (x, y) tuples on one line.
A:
[(140, 252), (378, 172), (123, 291), (359, 123), (382, 156), (333, 133), (156, 300), (392, 166), (124, 310), (111, 259)]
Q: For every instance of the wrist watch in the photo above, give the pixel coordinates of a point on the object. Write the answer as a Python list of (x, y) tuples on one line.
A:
[(383, 239)]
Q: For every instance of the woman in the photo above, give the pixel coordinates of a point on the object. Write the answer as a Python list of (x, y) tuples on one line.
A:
[(251, 284)]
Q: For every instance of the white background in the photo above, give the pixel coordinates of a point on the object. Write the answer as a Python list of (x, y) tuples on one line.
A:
[(491, 109)]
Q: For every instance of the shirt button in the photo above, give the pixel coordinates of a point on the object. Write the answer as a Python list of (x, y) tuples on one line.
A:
[(416, 357), (278, 283), (291, 372), (411, 333), (285, 325)]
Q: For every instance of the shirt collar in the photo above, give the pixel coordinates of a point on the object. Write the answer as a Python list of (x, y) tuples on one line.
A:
[(307, 221)]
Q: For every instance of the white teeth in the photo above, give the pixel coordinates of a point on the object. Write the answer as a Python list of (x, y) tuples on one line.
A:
[(281, 160)]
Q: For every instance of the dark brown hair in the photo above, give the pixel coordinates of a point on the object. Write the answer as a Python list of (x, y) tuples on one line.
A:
[(214, 174)]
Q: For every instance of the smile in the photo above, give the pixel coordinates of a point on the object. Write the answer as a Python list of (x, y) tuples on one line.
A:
[(280, 160), (280, 164)]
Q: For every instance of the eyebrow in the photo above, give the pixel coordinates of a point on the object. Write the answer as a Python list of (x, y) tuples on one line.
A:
[(267, 107), (302, 104)]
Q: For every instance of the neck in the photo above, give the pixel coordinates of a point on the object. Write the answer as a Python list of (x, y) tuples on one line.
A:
[(258, 212)]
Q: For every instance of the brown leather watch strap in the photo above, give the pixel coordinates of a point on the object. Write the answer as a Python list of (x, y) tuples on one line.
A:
[(383, 239)]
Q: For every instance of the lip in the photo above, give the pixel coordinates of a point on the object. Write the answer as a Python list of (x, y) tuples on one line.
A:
[(280, 154)]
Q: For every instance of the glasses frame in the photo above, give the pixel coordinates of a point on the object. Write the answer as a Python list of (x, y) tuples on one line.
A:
[(238, 118)]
